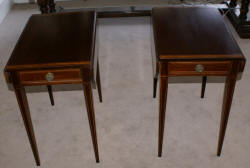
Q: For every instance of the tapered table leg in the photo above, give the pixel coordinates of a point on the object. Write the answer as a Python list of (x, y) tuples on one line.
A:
[(155, 80), (50, 95), (203, 87), (24, 108), (98, 80), (228, 97), (155, 87), (91, 116), (162, 111)]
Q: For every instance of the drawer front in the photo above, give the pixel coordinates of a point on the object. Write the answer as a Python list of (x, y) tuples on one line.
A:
[(199, 68), (62, 76)]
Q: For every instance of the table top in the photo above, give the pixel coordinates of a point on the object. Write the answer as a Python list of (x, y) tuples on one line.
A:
[(49, 40), (192, 33)]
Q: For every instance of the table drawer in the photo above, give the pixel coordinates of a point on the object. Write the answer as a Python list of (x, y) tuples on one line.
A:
[(61, 76), (183, 68)]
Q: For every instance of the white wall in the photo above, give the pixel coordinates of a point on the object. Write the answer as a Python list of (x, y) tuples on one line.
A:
[(5, 6)]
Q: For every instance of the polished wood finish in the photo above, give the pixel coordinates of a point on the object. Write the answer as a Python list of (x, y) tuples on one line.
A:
[(55, 49), (131, 13), (196, 33), (227, 102), (187, 68), (162, 111), (184, 42), (24, 108), (61, 76), (63, 37), (91, 116), (186, 46)]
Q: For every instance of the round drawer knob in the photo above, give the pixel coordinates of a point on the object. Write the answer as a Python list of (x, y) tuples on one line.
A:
[(199, 68), (49, 76)]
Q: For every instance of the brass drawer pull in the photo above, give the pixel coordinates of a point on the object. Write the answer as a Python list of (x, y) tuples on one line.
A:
[(199, 68), (49, 76)]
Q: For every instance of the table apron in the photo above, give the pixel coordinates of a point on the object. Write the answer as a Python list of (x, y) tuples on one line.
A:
[(195, 68), (50, 77)]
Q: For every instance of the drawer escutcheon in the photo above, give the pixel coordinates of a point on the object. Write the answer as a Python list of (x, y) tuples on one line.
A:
[(49, 76), (199, 68)]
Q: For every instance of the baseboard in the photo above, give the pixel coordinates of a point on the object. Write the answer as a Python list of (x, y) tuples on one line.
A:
[(31, 1), (5, 6), (24, 1)]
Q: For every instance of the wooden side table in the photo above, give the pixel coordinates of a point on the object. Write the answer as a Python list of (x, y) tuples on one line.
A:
[(186, 46), (56, 49)]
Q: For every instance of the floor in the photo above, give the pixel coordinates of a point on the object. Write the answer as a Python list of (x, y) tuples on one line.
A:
[(127, 120)]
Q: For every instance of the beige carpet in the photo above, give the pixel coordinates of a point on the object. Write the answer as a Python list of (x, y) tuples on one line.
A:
[(127, 120)]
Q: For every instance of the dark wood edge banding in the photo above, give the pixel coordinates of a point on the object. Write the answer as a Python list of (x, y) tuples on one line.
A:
[(198, 57)]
